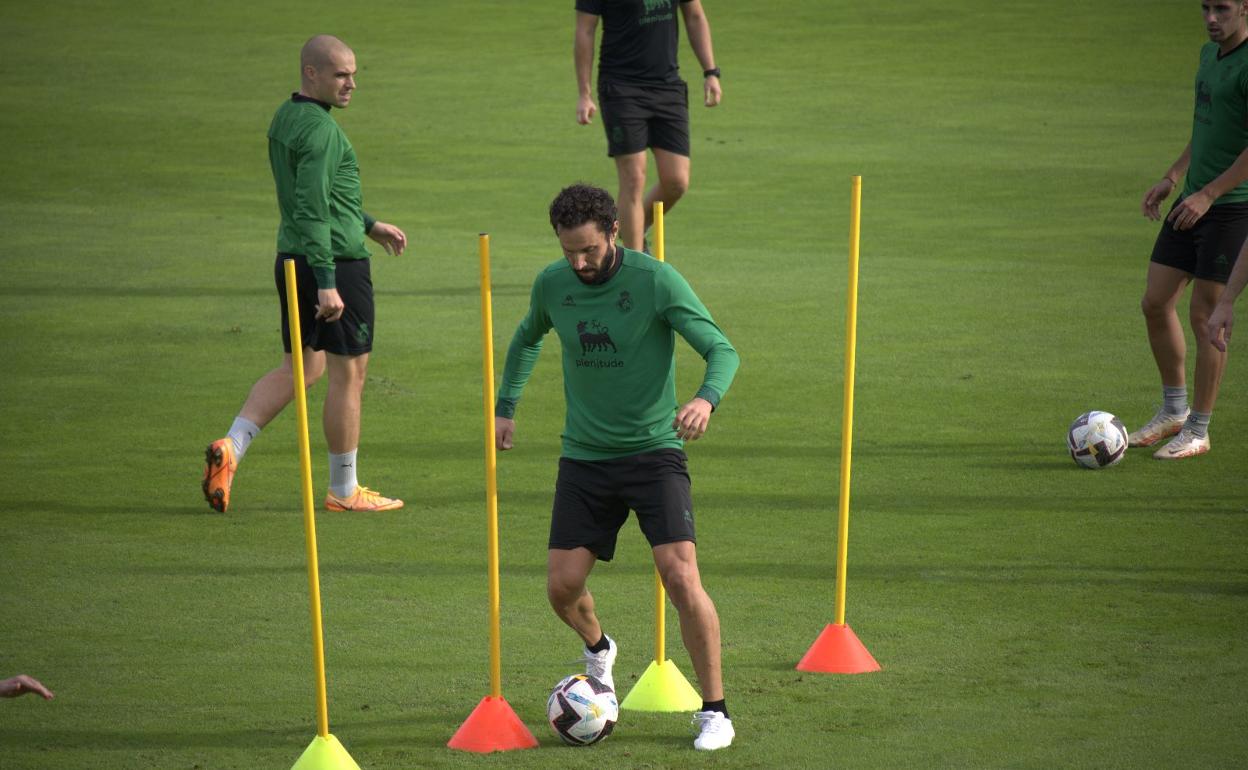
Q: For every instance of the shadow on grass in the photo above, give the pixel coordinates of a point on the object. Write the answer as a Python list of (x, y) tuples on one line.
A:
[(259, 290), (363, 732)]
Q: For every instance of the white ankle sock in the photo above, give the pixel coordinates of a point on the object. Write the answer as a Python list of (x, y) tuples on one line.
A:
[(241, 433), (342, 479)]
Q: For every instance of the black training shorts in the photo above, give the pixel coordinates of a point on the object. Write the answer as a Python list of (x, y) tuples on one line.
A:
[(1208, 250), (639, 116), (593, 498), (350, 335)]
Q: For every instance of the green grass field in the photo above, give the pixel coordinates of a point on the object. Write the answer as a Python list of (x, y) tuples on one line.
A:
[(1026, 613)]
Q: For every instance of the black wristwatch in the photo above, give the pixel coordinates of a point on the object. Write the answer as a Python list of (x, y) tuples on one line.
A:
[(713, 72)]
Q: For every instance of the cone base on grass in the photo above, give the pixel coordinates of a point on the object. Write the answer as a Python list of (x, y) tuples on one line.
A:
[(325, 754), (838, 651), (492, 726), (662, 688)]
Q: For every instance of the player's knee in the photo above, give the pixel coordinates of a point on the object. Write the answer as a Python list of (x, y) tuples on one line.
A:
[(682, 585), (562, 593), (675, 186), (1151, 308)]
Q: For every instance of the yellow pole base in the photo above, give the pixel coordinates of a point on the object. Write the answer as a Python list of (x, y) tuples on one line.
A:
[(325, 754), (662, 688)]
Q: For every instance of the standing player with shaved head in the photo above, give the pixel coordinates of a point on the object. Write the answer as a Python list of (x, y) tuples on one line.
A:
[(323, 227), (1201, 236)]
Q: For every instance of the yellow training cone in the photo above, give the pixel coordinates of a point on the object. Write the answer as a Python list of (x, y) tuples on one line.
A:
[(662, 688), (325, 754)]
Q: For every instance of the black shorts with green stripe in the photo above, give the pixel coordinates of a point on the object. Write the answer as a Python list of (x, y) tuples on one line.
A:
[(350, 335), (593, 498), (1208, 250)]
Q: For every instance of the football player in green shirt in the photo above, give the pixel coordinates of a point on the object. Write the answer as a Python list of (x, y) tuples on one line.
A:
[(323, 227), (1201, 236), (617, 313)]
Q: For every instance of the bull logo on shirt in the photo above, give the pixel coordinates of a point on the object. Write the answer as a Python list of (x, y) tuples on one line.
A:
[(594, 337)]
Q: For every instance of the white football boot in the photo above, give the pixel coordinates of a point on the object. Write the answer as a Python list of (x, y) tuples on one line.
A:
[(1161, 426), (599, 664), (714, 731), (1186, 444)]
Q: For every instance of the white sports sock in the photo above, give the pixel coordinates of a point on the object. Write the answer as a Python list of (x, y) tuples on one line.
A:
[(241, 433), (342, 479)]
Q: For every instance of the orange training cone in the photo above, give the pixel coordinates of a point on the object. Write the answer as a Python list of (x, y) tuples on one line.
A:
[(838, 651), (492, 726)]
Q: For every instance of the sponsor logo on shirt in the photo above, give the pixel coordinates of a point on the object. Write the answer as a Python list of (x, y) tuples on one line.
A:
[(596, 338)]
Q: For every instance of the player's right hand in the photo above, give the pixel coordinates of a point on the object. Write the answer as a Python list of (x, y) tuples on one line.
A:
[(1151, 205), (504, 429), (585, 110), (329, 305)]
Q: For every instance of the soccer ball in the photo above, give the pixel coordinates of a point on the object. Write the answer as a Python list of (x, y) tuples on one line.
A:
[(582, 710), (1097, 440)]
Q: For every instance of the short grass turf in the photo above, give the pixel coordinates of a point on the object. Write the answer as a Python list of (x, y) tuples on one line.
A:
[(1026, 613)]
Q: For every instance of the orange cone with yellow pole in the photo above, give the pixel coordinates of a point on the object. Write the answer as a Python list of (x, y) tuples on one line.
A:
[(837, 650), (493, 724)]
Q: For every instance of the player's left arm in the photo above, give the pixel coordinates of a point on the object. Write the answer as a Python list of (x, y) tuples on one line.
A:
[(1188, 211), (684, 312), (699, 31)]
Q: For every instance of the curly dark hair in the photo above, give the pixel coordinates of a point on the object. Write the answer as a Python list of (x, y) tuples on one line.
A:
[(581, 203)]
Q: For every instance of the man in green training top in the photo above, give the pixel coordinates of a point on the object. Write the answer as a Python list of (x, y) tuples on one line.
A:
[(323, 225), (617, 312), (1202, 234)]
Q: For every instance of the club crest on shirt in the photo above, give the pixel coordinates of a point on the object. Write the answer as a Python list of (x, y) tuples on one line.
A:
[(625, 302)]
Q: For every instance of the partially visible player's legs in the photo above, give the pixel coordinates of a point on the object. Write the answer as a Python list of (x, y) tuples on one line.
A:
[(1164, 287), (699, 628), (268, 397), (631, 169), (673, 172), (1193, 439), (566, 573), (341, 419), (699, 622)]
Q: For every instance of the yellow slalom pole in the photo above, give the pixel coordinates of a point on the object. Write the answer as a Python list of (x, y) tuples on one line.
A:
[(847, 425), (660, 597), (491, 465), (309, 517)]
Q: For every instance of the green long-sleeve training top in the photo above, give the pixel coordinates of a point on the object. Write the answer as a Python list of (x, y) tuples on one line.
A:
[(619, 368), (318, 188)]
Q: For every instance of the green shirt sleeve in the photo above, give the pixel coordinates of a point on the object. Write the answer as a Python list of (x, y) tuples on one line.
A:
[(522, 353), (314, 178), (676, 304)]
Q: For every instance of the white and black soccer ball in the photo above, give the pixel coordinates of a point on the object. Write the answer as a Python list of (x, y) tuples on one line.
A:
[(1097, 440), (582, 710)]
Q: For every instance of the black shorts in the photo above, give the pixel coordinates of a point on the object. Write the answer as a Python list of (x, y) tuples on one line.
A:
[(350, 335), (1208, 250), (636, 117), (592, 500)]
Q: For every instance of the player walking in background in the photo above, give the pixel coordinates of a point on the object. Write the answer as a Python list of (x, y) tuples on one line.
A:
[(323, 226), (617, 312), (1201, 236), (644, 101)]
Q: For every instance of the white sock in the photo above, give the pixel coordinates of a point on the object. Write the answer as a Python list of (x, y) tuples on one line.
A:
[(342, 473), (241, 433)]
